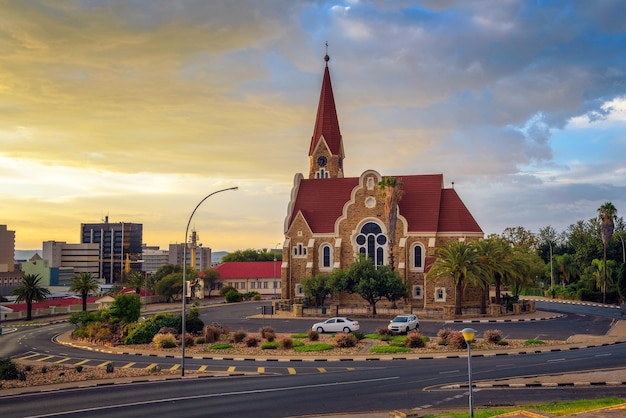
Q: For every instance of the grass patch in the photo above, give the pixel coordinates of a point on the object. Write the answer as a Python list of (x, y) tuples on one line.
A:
[(389, 349), (313, 347), (528, 343), (552, 408), (270, 345), (372, 336), (298, 343), (220, 346), (300, 336)]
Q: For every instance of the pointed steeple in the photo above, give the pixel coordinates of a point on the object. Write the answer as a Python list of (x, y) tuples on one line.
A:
[(330, 153)]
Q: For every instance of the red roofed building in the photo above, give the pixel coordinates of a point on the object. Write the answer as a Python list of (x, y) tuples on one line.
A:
[(331, 218), (251, 276)]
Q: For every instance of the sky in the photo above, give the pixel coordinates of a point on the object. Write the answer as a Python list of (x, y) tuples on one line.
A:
[(138, 109)]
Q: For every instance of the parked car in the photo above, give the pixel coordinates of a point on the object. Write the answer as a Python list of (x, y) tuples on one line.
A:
[(336, 324), (404, 323)]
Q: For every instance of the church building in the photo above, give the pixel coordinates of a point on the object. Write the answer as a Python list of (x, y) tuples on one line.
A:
[(332, 218)]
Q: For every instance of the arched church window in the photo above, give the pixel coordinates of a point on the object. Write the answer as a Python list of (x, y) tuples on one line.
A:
[(326, 256), (418, 257), (371, 242)]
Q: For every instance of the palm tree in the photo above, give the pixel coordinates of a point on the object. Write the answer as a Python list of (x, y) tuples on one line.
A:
[(607, 214), (30, 291), (136, 281), (459, 262), (84, 283), (391, 190), (566, 267)]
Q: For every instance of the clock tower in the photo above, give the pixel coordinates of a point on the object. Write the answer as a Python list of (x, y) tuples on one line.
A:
[(326, 151)]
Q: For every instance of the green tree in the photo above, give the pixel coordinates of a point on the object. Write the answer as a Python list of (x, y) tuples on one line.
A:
[(126, 308), (621, 282), (520, 237), (136, 280), (373, 284), (459, 262), (30, 291), (253, 255), (607, 214), (170, 286), (390, 189), (84, 283), (317, 288), (566, 267), (210, 277)]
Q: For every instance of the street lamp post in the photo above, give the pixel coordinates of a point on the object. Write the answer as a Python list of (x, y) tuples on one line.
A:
[(551, 271), (182, 343), (468, 336), (623, 250)]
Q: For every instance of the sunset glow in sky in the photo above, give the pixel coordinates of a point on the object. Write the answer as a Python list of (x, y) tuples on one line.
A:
[(137, 109)]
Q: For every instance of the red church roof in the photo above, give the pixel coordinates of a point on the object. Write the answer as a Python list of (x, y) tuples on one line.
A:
[(248, 269), (326, 122), (426, 205)]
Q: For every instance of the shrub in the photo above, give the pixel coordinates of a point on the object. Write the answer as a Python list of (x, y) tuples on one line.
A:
[(154, 369), (193, 323), (345, 340), (493, 336), (224, 290), (110, 368), (189, 340), (313, 335), (268, 333), (444, 336), (44, 369), (384, 331), (200, 340), (8, 370), (251, 341), (533, 342), (414, 340), (168, 330), (78, 369), (164, 340), (456, 340), (286, 343), (239, 336), (212, 333), (232, 296), (359, 335), (143, 332), (270, 345)]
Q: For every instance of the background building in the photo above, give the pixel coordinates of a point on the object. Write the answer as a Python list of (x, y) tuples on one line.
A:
[(7, 250), (119, 243), (83, 258), (153, 258), (200, 255)]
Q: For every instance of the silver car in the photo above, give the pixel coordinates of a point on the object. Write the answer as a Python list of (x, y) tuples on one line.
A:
[(404, 323), (336, 324)]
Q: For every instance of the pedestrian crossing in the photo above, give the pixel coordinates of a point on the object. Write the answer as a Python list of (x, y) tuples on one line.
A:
[(201, 368)]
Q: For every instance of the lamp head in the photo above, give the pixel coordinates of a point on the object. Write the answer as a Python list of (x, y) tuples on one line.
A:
[(468, 334)]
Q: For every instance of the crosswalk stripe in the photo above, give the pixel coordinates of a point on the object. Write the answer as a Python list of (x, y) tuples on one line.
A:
[(291, 370), (260, 370), (202, 368), (103, 364), (175, 367), (63, 360), (128, 365), (44, 358), (321, 370), (231, 369), (27, 357), (151, 366), (81, 362)]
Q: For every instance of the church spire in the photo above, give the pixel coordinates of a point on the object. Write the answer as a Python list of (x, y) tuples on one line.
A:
[(326, 150)]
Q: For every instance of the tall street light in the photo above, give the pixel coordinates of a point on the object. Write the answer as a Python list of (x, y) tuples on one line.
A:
[(182, 345), (468, 336)]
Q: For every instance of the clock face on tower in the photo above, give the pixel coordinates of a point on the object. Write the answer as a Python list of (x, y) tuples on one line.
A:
[(321, 161)]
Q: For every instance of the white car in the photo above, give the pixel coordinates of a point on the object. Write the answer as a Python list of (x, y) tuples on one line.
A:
[(336, 324), (404, 323)]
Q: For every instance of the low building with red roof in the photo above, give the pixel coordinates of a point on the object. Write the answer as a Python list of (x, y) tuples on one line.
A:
[(332, 218), (251, 276)]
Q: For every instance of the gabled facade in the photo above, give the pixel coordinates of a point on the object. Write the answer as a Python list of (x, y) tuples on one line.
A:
[(332, 218)]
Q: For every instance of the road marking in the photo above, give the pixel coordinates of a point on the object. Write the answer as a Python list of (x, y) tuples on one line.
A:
[(63, 360), (151, 366), (557, 359), (103, 364), (231, 369), (175, 367), (128, 365), (291, 370), (27, 357), (260, 370), (81, 362), (321, 370), (44, 358), (202, 368), (451, 371)]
